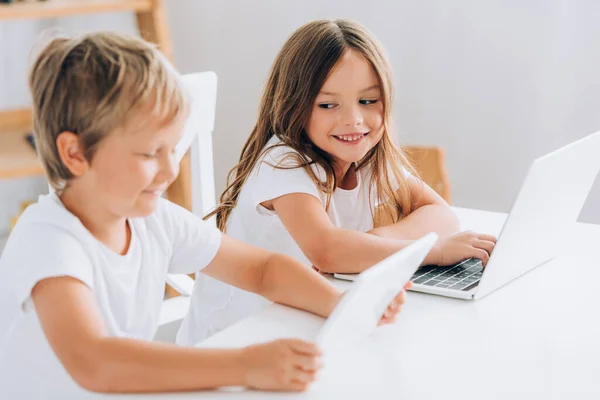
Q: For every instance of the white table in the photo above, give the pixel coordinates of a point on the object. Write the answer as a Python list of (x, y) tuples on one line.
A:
[(537, 338)]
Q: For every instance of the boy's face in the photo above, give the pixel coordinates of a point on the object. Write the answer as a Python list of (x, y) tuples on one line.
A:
[(347, 117), (133, 167)]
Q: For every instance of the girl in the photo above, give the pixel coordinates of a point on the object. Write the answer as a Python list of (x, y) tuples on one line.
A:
[(321, 168), (85, 267)]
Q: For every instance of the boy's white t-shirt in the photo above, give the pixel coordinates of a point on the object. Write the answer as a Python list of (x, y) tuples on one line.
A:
[(216, 305), (49, 241)]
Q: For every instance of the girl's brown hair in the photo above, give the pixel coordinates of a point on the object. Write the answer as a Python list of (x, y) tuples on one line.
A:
[(297, 75)]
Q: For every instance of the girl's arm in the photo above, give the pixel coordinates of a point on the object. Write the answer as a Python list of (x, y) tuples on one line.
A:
[(75, 330), (329, 248), (332, 249), (431, 214)]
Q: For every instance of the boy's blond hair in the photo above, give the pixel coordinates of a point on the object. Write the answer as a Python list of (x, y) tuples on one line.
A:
[(93, 85)]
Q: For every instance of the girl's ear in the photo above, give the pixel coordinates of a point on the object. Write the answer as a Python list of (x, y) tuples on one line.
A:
[(71, 153)]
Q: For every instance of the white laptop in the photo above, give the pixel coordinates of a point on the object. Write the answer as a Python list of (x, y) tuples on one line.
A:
[(547, 205), (361, 307)]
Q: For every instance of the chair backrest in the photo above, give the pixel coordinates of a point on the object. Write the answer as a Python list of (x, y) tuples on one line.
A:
[(430, 162), (197, 138), (202, 88)]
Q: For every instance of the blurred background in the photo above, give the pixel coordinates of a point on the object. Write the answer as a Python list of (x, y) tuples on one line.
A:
[(495, 84)]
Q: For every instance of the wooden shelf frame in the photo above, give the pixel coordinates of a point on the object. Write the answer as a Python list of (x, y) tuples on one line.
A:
[(33, 9), (17, 158)]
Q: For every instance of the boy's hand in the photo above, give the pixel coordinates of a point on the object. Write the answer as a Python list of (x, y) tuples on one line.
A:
[(395, 306), (287, 364)]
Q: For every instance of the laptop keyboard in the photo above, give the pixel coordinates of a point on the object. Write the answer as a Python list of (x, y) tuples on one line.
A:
[(463, 276)]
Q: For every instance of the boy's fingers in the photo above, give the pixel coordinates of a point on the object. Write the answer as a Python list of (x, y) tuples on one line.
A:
[(302, 347), (307, 363), (298, 386), (304, 376), (400, 298), (386, 320)]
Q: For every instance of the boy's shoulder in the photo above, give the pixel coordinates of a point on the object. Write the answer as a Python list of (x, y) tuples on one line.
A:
[(48, 211), (45, 224), (170, 220)]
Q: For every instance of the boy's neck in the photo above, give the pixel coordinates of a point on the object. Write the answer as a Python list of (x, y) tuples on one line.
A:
[(111, 230)]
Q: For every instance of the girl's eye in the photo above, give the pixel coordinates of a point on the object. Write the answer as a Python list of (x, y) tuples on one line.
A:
[(149, 155), (368, 102), (326, 106)]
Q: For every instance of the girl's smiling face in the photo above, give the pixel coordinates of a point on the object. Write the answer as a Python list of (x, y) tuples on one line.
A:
[(347, 116)]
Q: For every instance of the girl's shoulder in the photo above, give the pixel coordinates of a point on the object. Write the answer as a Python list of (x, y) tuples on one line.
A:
[(288, 161), (277, 153)]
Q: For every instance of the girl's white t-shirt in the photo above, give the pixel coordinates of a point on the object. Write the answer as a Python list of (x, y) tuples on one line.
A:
[(49, 241), (216, 305)]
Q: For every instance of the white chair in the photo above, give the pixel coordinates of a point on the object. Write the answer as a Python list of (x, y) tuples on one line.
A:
[(202, 88)]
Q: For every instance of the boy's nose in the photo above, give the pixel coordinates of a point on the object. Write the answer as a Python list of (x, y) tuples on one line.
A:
[(170, 168)]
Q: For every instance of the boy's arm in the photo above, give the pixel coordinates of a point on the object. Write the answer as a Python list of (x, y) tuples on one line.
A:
[(277, 277), (74, 327)]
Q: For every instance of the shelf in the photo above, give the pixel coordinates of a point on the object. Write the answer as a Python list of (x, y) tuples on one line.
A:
[(33, 9), (17, 158)]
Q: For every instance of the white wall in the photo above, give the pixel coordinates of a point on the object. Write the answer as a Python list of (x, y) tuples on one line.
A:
[(496, 83)]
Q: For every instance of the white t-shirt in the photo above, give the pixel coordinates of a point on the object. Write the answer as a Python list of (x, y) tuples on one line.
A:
[(49, 241), (216, 305)]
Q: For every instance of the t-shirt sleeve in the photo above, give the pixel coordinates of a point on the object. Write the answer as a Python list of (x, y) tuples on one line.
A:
[(43, 251), (195, 242), (277, 175)]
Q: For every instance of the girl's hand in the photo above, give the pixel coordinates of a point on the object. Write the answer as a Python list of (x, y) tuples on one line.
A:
[(463, 245), (395, 306), (286, 364)]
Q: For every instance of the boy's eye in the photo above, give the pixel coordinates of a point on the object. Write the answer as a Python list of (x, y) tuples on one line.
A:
[(367, 102), (327, 105), (149, 155)]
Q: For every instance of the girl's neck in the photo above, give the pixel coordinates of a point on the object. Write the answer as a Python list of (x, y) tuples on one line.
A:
[(111, 230), (345, 174)]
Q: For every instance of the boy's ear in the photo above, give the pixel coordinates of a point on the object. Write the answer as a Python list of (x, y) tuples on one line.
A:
[(71, 153)]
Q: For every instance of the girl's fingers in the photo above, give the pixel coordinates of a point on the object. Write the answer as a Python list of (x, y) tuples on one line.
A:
[(489, 238), (485, 245), (482, 255)]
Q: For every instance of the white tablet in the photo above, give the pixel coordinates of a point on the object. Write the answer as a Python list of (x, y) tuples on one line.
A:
[(360, 309)]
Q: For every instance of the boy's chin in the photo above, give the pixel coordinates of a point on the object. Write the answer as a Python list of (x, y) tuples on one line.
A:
[(144, 208)]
